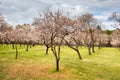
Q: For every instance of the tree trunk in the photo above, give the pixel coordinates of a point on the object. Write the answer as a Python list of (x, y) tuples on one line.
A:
[(27, 47), (16, 52), (1, 45), (47, 48), (119, 47), (79, 55), (93, 49), (57, 57), (30, 46), (33, 45), (89, 50), (57, 64), (13, 46), (20, 45), (99, 46)]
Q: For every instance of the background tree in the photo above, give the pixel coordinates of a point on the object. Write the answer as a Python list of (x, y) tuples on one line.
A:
[(74, 37), (115, 38), (102, 38), (115, 17), (27, 35), (87, 41), (5, 28), (89, 24), (42, 31)]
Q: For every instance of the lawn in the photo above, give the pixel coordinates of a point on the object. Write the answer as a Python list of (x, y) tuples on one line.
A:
[(104, 64)]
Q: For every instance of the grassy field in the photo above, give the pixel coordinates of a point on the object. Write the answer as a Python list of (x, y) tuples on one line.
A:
[(35, 65)]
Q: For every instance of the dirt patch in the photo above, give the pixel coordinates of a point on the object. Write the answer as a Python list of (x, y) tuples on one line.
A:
[(37, 72), (27, 71)]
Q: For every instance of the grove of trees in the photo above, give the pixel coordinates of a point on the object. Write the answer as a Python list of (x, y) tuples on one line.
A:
[(53, 29)]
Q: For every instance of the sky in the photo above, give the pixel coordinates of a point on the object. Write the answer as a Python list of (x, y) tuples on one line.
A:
[(24, 11)]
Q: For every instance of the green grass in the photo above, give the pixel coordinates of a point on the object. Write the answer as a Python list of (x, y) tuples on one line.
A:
[(35, 65)]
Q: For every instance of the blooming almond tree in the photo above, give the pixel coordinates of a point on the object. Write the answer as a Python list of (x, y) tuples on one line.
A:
[(89, 24), (116, 38), (101, 38), (42, 32), (52, 26), (73, 39), (27, 37), (17, 36), (116, 18)]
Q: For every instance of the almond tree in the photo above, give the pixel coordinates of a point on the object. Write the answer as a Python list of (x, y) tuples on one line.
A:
[(73, 39), (86, 41), (102, 38), (89, 24), (27, 35), (1, 38), (116, 38), (53, 24), (5, 28), (42, 33), (17, 36), (115, 17), (3, 24)]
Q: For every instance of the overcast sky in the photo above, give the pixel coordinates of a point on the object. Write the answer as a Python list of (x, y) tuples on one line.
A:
[(24, 11)]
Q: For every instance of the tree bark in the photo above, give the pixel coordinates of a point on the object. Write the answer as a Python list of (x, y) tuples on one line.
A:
[(33, 45), (1, 45), (47, 48), (93, 49), (27, 47), (79, 55), (13, 46), (57, 56), (57, 64), (30, 46), (89, 50), (119, 47), (16, 52)]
